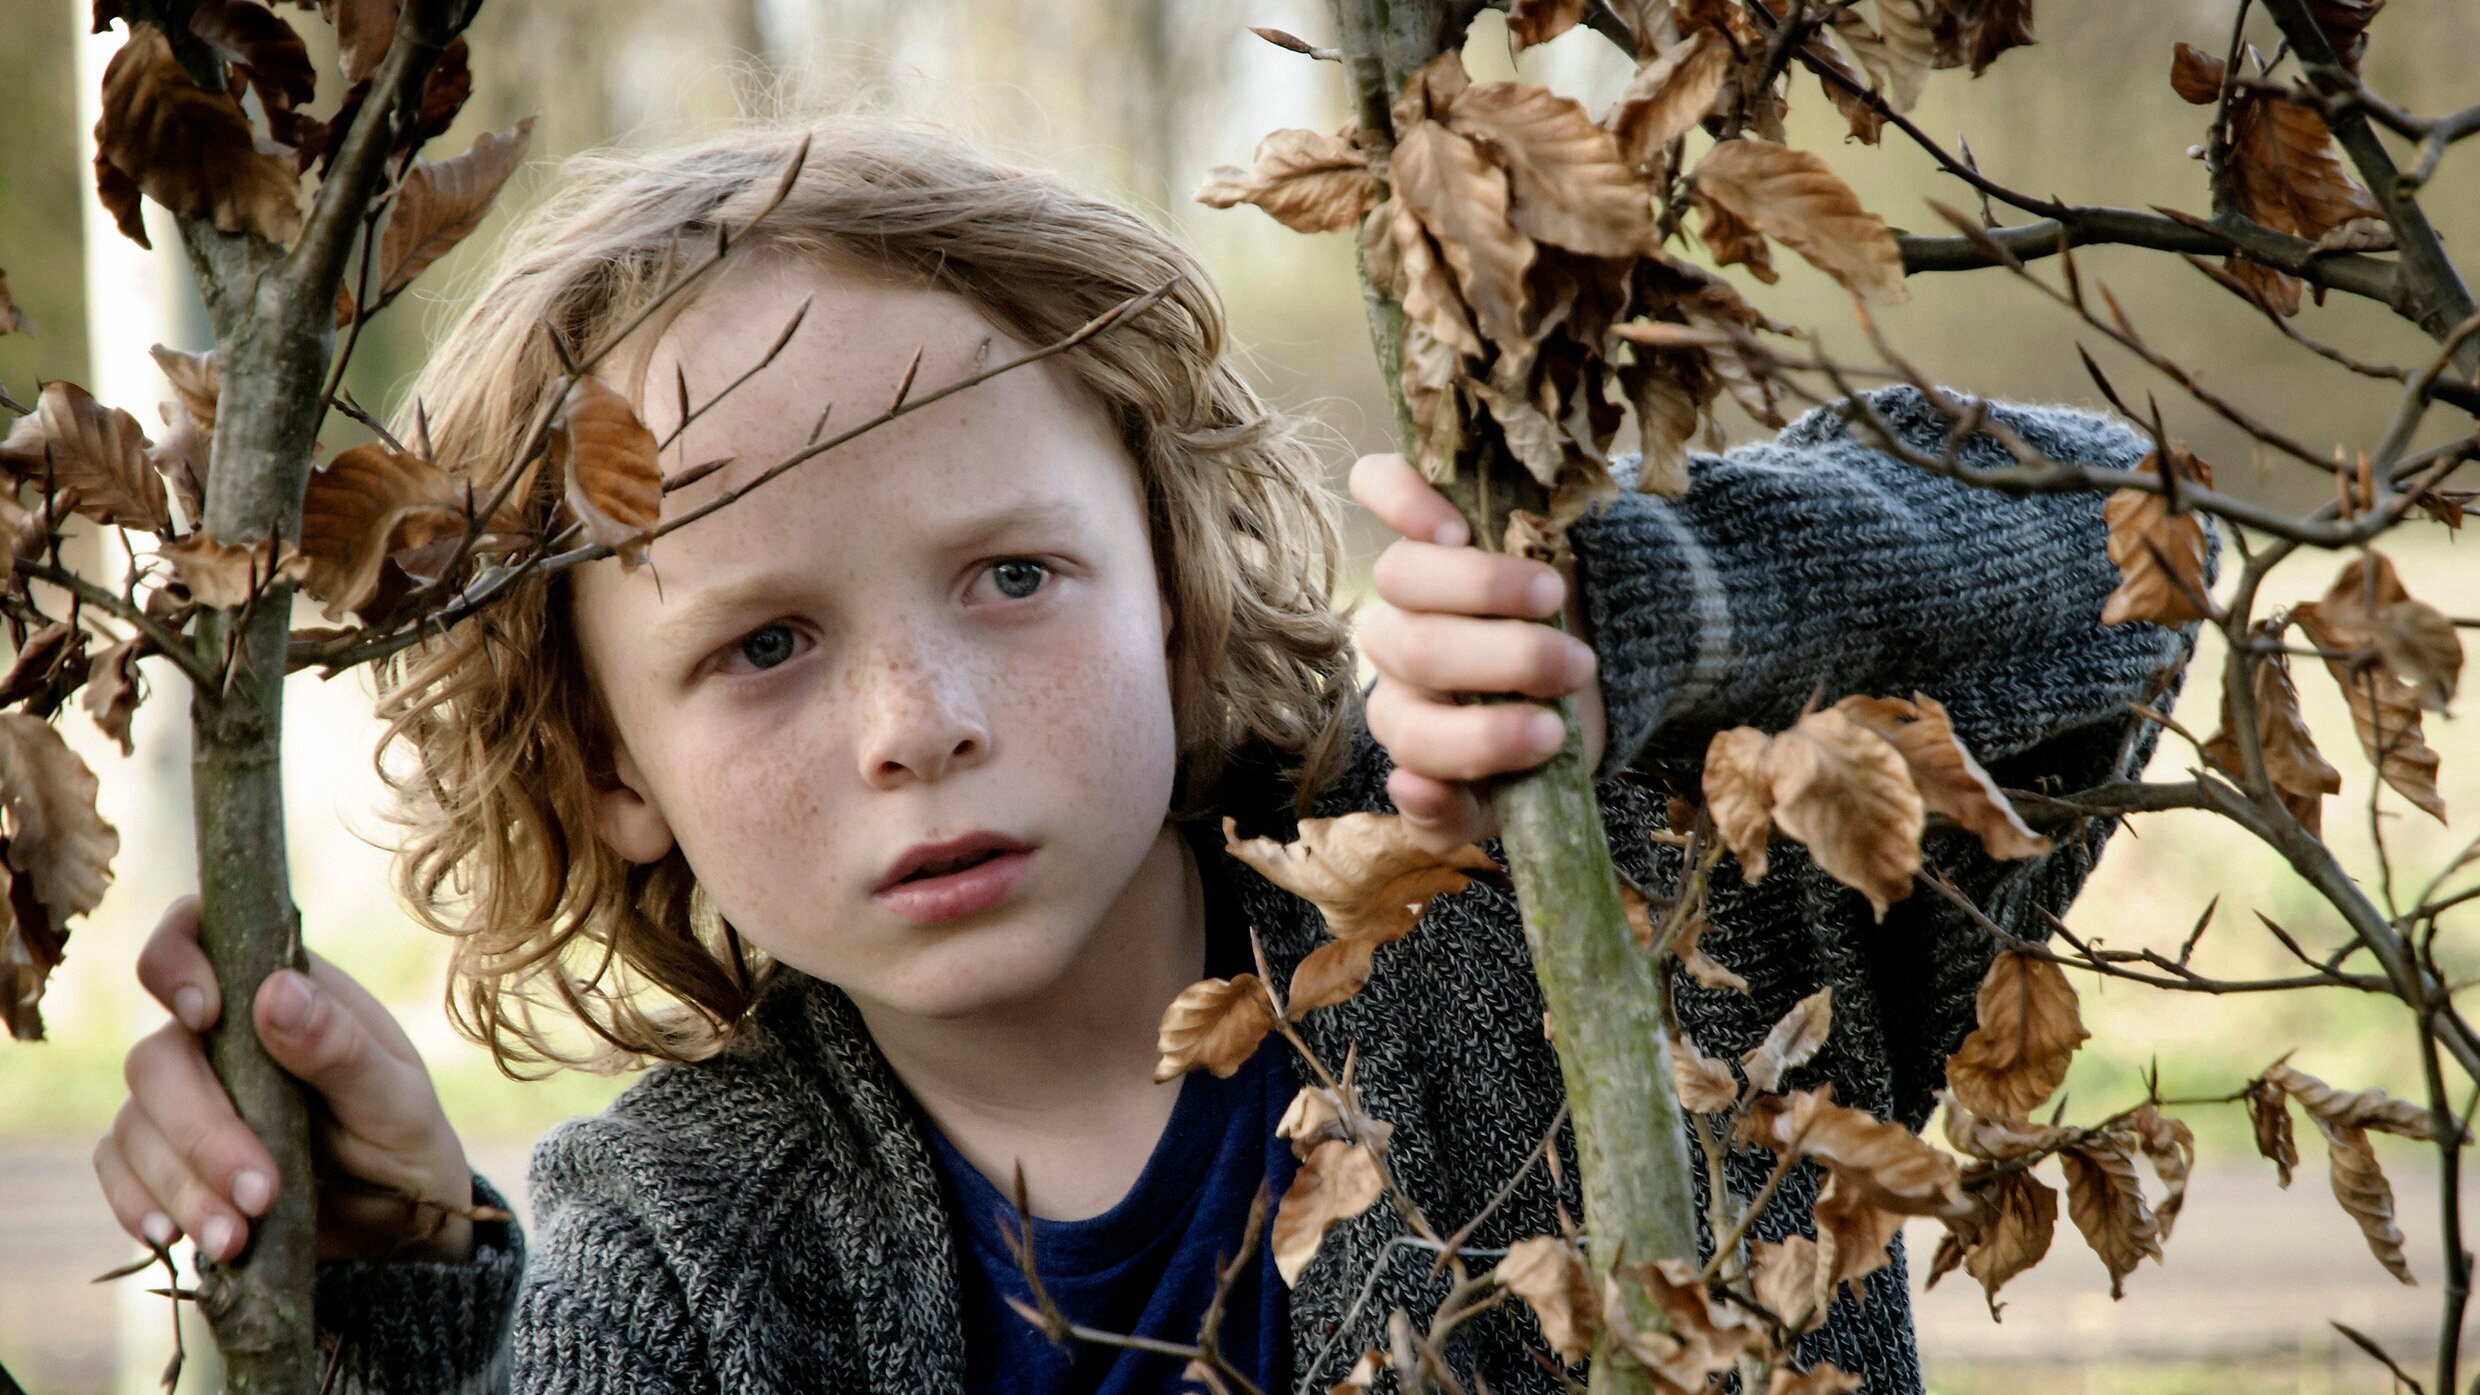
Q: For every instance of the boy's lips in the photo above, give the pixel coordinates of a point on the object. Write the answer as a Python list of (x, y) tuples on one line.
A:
[(931, 900)]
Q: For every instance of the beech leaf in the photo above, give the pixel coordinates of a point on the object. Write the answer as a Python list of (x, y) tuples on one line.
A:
[(1336, 1182), (1462, 200), (1215, 1024), (2299, 772), (1793, 197), (96, 456), (2357, 1109), (1736, 794), (2160, 555), (362, 507), (228, 575), (1950, 781), (1569, 186), (1665, 99), (2029, 1028), (1789, 1278), (1549, 1273), (1329, 974), (112, 692), (1364, 872), (1306, 181), (2360, 1185), (2269, 1111), (2106, 1201), (1844, 791), (1705, 1084), (2385, 713), (187, 148), (615, 486), (12, 319), (1539, 21), (1791, 1042), (444, 200), (365, 30), (58, 849)]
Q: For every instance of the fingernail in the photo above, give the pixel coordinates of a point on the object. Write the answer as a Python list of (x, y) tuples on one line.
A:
[(1580, 664), (1452, 533), (288, 1002), (216, 1237), (158, 1228), (1546, 732), (252, 1191), (190, 1005), (1545, 593)]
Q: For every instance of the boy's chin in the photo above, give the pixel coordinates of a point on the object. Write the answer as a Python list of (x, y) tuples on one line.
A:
[(1003, 967)]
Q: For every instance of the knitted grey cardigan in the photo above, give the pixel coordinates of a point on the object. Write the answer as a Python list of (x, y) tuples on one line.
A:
[(770, 1220)]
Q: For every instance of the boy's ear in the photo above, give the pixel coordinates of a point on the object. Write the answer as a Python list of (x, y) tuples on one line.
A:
[(626, 816)]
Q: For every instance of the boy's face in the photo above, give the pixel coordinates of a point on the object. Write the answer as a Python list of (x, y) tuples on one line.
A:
[(950, 625)]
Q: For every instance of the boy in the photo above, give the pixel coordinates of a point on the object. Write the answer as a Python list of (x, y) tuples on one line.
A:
[(889, 821)]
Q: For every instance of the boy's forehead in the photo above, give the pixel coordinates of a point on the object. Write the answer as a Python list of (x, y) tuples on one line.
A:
[(857, 334)]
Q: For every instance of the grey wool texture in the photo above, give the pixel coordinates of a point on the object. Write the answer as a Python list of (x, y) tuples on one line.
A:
[(770, 1220)]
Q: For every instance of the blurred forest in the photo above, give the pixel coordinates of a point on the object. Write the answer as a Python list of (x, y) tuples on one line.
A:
[(1139, 100)]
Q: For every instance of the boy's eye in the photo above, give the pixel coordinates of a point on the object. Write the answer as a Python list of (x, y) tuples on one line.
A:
[(768, 646), (1018, 577)]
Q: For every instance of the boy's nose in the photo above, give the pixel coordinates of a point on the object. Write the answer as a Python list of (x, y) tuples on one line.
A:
[(924, 721)]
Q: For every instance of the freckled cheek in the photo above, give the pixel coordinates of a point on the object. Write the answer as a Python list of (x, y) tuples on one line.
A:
[(753, 808), (1097, 713)]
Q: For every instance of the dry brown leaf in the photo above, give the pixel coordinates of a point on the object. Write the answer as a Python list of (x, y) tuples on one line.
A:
[(444, 200), (2360, 1185), (1997, 1139), (1531, 436), (1705, 1084), (2385, 712), (2369, 607), (365, 30), (362, 507), (52, 661), (1702, 1337), (1569, 187), (1549, 1273), (1688, 947), (2015, 1217), (1431, 373), (1976, 33), (2270, 1112), (1899, 53), (2195, 74), (1364, 872), (194, 380), (1844, 791), (1533, 22), (1884, 1165), (1730, 239), (2286, 175), (1307, 181), (1462, 200), (2107, 1203), (112, 691), (2160, 555), (228, 575), (2299, 772), (2356, 1109), (96, 457), (1950, 781), (12, 319), (1214, 1024), (1791, 1042), (1665, 100), (1852, 1235), (1316, 1116), (1363, 1375), (2029, 1030), (1737, 795), (615, 486), (2170, 1146), (1336, 1182), (1329, 974), (1669, 389), (1795, 198), (60, 848), (262, 50), (183, 458), (1789, 1278), (187, 148), (1824, 1378)]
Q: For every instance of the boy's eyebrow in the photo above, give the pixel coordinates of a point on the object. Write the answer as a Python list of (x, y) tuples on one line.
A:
[(687, 617)]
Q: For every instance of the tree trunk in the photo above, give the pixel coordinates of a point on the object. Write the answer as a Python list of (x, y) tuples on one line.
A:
[(1603, 990)]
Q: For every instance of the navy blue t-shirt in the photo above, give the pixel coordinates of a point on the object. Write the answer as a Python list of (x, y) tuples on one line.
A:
[(1147, 1266)]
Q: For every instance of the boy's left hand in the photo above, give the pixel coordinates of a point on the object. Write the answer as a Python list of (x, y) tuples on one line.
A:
[(1452, 619)]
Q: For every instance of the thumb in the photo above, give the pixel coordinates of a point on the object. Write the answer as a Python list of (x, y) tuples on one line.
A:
[(310, 1033)]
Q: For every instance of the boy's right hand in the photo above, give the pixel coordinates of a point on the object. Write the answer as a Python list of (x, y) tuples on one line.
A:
[(180, 1160)]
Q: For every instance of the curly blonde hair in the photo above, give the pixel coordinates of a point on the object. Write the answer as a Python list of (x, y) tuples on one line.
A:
[(503, 738)]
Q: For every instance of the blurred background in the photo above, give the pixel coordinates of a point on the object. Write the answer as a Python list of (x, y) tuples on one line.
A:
[(1139, 100)]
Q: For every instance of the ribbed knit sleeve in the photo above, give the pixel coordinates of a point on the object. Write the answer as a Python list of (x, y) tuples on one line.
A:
[(1814, 565), (424, 1326)]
